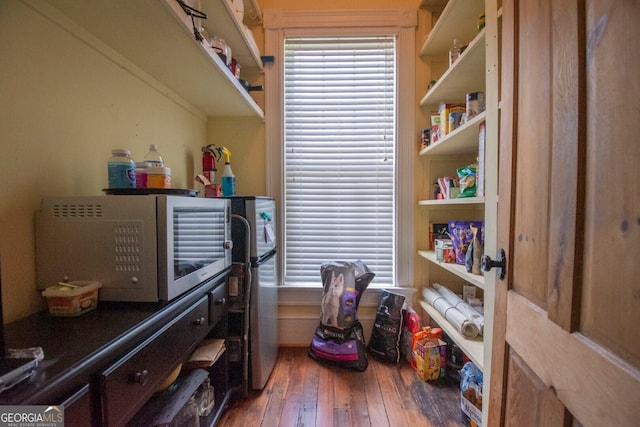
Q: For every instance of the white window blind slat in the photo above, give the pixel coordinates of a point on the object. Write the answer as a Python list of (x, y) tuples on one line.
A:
[(339, 145)]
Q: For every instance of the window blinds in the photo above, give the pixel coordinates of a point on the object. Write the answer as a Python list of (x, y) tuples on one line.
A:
[(339, 148)]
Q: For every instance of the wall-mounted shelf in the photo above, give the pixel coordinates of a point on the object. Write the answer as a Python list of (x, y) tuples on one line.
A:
[(472, 348), (463, 140), (452, 24), (449, 203), (457, 269), (433, 6), (222, 21), (464, 76), (252, 13), (157, 37)]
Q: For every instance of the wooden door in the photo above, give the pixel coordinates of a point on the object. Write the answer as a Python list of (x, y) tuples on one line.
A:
[(566, 346)]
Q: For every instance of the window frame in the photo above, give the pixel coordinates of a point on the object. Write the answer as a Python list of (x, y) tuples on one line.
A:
[(400, 22)]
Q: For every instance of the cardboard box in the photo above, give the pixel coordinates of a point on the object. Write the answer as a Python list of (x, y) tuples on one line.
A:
[(444, 251), (435, 128), (450, 117), (431, 358), (481, 160), (437, 231), (470, 410)]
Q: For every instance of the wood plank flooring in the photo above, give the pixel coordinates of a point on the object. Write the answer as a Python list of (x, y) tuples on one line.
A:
[(305, 392)]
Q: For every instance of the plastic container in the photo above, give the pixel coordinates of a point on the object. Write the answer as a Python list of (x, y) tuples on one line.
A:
[(73, 298), (153, 157), (228, 181), (205, 398), (456, 50), (141, 174), (158, 177), (121, 169)]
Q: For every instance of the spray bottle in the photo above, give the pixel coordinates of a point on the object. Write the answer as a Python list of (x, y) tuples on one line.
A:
[(228, 178)]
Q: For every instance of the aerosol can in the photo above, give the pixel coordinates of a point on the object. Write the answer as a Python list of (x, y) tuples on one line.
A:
[(228, 178)]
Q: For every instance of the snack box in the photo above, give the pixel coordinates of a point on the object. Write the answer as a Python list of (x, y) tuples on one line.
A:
[(73, 298)]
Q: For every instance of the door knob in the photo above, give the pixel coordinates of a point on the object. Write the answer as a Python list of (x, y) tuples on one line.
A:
[(199, 321), (141, 377), (500, 263)]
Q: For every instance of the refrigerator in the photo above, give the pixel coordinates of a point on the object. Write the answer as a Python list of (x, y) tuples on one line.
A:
[(253, 227)]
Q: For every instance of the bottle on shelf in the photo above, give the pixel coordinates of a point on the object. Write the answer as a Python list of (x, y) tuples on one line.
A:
[(121, 169), (153, 156), (228, 178), (456, 50)]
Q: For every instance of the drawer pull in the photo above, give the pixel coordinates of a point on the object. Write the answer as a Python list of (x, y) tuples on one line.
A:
[(200, 321), (220, 301), (141, 377)]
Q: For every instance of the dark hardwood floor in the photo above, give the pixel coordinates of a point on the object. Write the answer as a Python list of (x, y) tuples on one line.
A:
[(305, 392)]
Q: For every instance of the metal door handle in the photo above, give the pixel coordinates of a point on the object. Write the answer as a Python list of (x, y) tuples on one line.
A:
[(500, 263)]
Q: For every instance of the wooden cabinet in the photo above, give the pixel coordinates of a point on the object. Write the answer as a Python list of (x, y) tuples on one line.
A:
[(474, 71), (106, 365), (157, 36), (128, 383), (77, 408)]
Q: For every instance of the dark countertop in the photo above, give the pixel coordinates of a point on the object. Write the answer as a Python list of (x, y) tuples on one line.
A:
[(75, 348)]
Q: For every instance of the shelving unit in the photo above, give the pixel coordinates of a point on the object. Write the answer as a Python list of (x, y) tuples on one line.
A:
[(457, 19), (157, 36), (473, 348), (456, 269), (449, 203), (477, 69), (464, 76), (463, 140), (453, 23)]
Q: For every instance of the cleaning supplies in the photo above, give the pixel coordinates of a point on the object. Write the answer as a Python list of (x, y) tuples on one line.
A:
[(228, 178)]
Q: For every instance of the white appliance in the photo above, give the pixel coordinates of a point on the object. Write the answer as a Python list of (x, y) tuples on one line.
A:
[(260, 213)]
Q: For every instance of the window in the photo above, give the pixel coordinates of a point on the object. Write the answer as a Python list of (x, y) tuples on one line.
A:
[(340, 155)]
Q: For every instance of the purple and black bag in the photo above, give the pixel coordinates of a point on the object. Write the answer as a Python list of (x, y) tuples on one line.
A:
[(339, 338)]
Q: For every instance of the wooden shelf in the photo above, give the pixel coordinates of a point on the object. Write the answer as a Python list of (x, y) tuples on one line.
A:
[(222, 21), (472, 348), (459, 20), (449, 203), (467, 74), (463, 140), (458, 270), (157, 36), (433, 6), (252, 13)]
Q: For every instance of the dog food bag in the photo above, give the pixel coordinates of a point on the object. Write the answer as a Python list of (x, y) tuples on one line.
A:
[(385, 335), (343, 283), (339, 338)]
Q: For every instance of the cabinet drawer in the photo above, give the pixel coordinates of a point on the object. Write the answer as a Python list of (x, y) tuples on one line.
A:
[(217, 303), (77, 408), (127, 384)]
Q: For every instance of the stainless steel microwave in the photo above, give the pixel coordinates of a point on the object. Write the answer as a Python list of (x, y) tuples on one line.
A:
[(140, 247)]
